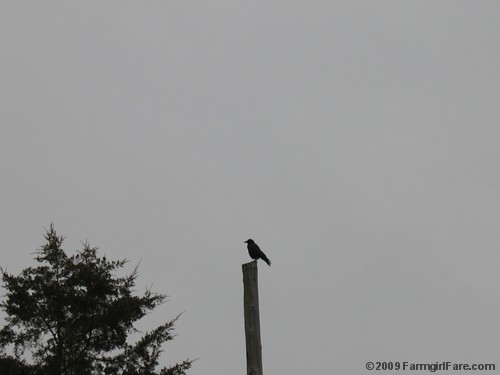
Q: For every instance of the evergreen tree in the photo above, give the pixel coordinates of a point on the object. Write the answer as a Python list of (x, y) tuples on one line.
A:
[(71, 315)]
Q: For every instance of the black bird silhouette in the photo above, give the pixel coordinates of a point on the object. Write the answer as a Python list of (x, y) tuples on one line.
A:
[(255, 252)]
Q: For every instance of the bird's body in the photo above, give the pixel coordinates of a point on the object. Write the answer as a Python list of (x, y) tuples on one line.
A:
[(255, 252)]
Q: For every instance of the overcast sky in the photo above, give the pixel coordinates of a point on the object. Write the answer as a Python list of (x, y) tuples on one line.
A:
[(355, 141)]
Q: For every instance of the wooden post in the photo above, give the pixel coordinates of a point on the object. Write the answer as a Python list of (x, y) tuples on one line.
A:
[(252, 321)]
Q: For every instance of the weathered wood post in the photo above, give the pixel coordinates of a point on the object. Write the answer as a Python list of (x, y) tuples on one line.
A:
[(252, 321)]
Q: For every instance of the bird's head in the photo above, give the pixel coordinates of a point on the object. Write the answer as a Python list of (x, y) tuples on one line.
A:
[(249, 241)]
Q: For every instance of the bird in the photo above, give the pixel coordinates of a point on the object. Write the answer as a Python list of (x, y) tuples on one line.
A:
[(255, 252)]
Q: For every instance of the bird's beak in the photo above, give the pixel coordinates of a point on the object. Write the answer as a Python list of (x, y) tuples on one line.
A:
[(245, 241)]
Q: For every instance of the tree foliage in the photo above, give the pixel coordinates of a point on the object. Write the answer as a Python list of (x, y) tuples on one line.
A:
[(71, 315)]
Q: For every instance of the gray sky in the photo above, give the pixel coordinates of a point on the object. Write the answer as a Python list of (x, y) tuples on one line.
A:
[(356, 142)]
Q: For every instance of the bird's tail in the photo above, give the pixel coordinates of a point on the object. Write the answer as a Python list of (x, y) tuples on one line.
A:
[(266, 259)]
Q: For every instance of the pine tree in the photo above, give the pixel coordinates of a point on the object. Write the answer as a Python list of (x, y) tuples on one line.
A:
[(71, 315)]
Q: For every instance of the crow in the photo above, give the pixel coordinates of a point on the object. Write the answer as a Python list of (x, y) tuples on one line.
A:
[(255, 252)]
